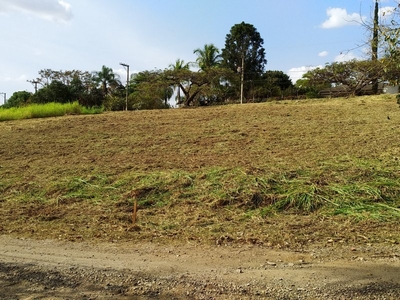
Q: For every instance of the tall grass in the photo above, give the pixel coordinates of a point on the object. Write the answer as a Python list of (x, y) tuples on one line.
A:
[(45, 110)]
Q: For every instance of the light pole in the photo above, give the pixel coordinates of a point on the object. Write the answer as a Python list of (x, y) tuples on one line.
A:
[(127, 83), (5, 97)]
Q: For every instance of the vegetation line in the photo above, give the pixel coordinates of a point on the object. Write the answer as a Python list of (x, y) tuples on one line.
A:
[(51, 109)]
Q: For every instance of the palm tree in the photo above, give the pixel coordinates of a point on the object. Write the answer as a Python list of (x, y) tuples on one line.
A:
[(179, 65), (208, 57), (107, 79)]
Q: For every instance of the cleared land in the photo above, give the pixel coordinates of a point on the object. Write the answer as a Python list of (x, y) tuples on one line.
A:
[(299, 176)]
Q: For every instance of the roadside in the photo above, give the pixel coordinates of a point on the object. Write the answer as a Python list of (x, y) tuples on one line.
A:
[(48, 269)]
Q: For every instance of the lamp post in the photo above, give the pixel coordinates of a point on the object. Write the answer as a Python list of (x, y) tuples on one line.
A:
[(127, 83), (5, 97)]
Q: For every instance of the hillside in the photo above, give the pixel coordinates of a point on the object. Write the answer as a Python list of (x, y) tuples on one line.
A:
[(286, 174)]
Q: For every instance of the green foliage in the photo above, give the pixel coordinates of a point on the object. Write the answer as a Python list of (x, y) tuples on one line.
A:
[(67, 86), (208, 57), (244, 54), (208, 84), (56, 91), (18, 99), (272, 84), (244, 41), (149, 91), (354, 75), (45, 110), (115, 103), (106, 79)]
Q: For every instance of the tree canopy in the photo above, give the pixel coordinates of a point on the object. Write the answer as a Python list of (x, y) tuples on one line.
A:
[(244, 42), (354, 75), (17, 99), (208, 57)]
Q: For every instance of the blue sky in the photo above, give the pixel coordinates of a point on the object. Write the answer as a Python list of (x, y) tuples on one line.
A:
[(149, 34)]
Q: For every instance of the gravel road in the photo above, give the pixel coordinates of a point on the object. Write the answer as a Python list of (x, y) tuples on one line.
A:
[(48, 269)]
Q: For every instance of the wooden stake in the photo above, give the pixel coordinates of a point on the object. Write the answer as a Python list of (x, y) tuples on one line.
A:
[(134, 212)]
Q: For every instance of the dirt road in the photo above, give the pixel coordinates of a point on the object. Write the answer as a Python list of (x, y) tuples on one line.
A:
[(31, 269)]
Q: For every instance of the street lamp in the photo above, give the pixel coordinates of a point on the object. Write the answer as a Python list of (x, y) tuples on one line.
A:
[(127, 83)]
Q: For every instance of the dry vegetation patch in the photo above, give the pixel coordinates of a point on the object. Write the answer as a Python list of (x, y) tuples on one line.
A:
[(285, 174)]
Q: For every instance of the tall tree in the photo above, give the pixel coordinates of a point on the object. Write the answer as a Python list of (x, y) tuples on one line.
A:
[(208, 57), (107, 79), (178, 66), (244, 52)]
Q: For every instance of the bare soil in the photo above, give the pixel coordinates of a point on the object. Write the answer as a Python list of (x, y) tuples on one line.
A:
[(65, 205), (48, 269)]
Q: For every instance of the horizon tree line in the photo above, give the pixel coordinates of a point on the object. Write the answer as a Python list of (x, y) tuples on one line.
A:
[(219, 76)]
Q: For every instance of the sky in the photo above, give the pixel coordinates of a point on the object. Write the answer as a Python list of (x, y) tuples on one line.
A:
[(152, 34)]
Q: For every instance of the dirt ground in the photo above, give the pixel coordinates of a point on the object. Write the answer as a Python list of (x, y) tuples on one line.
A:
[(48, 269), (65, 206)]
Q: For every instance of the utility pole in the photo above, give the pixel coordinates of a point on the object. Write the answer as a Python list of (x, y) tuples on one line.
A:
[(374, 44), (5, 97), (242, 80), (241, 71), (127, 83), (35, 83)]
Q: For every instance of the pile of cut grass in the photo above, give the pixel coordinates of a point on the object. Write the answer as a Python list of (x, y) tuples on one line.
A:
[(45, 110)]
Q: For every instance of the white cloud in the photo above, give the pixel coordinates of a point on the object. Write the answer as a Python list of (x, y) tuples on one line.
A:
[(297, 73), (51, 10), (338, 17), (323, 54), (22, 77), (387, 11), (342, 57)]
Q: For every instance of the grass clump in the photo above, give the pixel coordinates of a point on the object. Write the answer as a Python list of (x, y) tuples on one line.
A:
[(45, 110)]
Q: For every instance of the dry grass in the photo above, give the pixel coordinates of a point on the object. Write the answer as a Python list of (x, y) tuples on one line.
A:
[(283, 174)]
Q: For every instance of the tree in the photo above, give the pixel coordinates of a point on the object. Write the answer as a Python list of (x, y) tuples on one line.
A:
[(244, 51), (18, 99), (275, 83), (106, 79), (196, 84), (208, 57), (178, 66), (150, 91), (56, 91), (353, 75)]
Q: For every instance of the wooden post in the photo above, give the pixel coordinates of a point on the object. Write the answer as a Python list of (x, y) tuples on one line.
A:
[(134, 214)]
